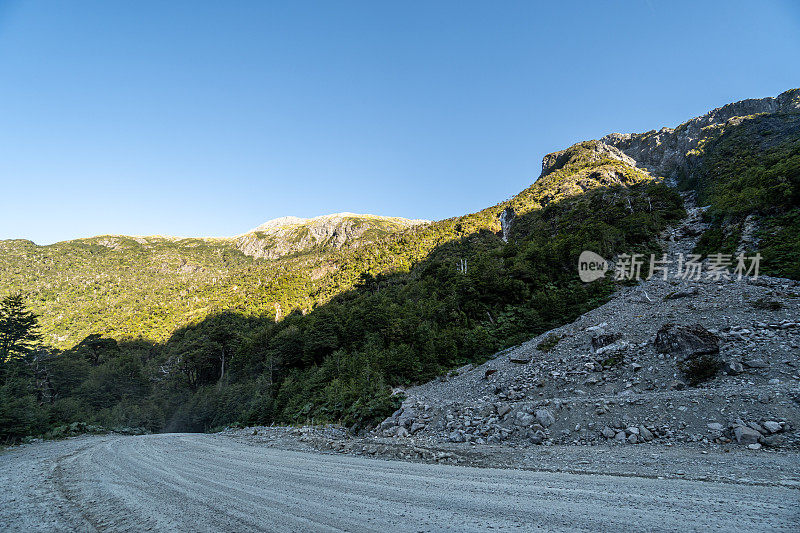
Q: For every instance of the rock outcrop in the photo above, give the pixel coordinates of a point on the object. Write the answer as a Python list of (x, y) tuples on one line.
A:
[(289, 235), (669, 151)]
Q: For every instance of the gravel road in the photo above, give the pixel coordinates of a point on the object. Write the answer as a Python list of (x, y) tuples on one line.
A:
[(194, 482)]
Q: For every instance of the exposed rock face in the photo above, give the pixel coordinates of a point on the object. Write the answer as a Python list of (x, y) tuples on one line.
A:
[(668, 150), (288, 235)]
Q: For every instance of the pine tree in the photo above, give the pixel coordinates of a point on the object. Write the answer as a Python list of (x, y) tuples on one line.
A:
[(19, 333)]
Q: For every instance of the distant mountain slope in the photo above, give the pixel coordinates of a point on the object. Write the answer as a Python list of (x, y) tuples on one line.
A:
[(146, 287), (335, 311), (129, 287), (292, 235)]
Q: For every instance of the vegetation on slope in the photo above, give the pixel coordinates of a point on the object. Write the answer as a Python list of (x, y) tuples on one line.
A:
[(195, 334), (145, 288), (751, 167), (392, 313)]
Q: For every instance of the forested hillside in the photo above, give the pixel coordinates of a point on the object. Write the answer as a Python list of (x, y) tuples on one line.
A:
[(325, 332), (144, 288)]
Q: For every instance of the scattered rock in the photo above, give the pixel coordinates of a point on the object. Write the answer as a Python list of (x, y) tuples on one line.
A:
[(545, 417), (682, 294), (503, 409), (746, 435), (734, 368), (677, 385), (457, 436), (601, 341), (523, 419)]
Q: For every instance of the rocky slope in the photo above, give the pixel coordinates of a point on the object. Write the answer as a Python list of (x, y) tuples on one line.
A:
[(291, 235), (610, 377), (623, 373)]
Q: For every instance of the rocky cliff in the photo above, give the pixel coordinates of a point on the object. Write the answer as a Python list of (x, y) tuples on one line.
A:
[(670, 151)]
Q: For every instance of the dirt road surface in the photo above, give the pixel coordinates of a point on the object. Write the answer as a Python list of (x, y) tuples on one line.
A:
[(195, 482)]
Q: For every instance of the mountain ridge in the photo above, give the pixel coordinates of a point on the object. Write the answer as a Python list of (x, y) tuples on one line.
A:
[(322, 325)]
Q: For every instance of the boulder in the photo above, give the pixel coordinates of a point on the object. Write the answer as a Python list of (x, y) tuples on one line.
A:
[(772, 426), (545, 417), (602, 340), (734, 368), (608, 433), (686, 341), (523, 419), (746, 435)]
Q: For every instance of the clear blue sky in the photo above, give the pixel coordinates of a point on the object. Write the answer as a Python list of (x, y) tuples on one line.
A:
[(208, 118)]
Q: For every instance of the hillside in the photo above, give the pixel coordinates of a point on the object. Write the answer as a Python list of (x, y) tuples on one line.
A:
[(146, 287), (334, 312)]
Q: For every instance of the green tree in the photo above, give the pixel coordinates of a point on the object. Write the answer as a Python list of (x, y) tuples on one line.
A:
[(18, 328)]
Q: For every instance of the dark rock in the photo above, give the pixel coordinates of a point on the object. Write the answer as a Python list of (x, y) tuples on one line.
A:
[(682, 294), (734, 368), (686, 341), (600, 341), (696, 348)]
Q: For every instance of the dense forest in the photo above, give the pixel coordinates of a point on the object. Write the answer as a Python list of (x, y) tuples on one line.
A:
[(407, 307)]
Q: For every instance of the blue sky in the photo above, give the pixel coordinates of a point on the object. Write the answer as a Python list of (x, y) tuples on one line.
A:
[(208, 118)]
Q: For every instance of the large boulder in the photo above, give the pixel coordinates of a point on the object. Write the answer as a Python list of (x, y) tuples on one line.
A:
[(695, 348), (685, 341), (746, 435)]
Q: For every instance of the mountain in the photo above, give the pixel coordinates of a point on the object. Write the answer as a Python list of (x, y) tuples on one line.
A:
[(319, 319), (291, 235), (146, 287)]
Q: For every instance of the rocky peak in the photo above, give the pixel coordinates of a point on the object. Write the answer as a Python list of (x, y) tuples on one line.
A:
[(581, 154), (668, 150), (287, 235)]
